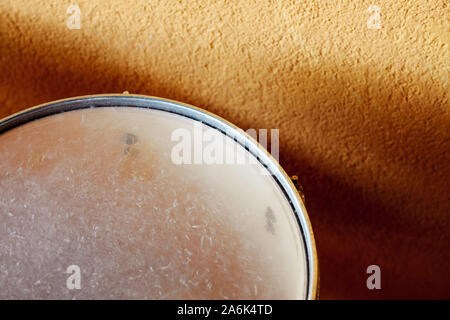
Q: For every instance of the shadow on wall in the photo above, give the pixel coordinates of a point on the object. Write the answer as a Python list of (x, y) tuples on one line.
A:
[(374, 161)]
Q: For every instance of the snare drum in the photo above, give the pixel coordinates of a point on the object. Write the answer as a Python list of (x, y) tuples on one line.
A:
[(112, 197)]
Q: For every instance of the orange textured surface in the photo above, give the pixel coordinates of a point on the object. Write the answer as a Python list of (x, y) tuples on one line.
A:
[(363, 114)]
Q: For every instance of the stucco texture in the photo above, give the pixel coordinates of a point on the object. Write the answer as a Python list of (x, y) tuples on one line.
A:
[(363, 113)]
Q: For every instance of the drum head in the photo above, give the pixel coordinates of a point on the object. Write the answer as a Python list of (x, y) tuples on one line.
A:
[(108, 198)]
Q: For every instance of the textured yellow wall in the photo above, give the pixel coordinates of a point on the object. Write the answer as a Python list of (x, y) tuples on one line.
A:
[(363, 114)]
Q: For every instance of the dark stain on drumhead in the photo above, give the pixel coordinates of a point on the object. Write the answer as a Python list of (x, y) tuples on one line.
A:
[(129, 138), (270, 220)]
